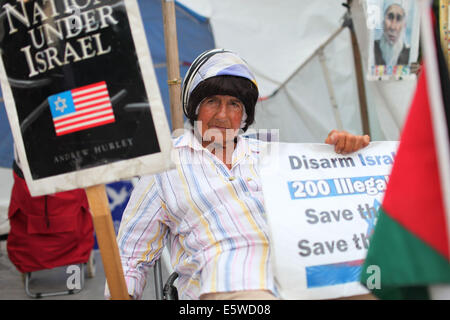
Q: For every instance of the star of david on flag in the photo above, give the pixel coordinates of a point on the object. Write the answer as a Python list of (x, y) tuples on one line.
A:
[(81, 108)]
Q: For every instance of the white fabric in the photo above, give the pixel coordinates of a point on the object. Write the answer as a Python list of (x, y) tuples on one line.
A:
[(276, 37), (202, 7), (302, 110)]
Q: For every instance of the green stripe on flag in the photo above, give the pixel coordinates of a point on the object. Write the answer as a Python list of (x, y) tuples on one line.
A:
[(407, 265)]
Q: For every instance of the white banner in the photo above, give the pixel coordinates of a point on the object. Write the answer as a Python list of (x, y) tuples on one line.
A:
[(322, 208)]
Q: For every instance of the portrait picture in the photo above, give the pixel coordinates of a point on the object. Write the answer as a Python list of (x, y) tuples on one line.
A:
[(394, 38), (77, 98)]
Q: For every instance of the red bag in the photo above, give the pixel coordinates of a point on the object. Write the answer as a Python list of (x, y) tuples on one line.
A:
[(48, 231)]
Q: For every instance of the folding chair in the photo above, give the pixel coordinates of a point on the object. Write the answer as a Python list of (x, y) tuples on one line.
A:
[(89, 266)]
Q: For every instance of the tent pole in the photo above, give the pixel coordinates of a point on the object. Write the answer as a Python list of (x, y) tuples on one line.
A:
[(359, 74), (173, 65)]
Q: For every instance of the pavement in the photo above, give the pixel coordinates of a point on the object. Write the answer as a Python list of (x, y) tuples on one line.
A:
[(58, 279)]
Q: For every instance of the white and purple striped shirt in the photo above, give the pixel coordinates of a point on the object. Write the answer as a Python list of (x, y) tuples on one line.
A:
[(212, 218)]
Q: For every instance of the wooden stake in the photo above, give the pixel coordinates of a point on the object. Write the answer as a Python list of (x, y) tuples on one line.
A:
[(106, 239), (359, 78), (173, 64)]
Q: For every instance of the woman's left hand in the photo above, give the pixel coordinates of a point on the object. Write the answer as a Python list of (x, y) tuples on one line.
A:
[(345, 142)]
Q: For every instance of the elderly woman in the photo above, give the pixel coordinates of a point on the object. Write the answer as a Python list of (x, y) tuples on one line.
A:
[(210, 208)]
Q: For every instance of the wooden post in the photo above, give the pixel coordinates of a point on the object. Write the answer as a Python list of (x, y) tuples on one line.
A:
[(359, 77), (173, 65), (106, 239), (444, 8)]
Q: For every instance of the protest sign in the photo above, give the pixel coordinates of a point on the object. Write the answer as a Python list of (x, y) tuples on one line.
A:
[(80, 92), (321, 209)]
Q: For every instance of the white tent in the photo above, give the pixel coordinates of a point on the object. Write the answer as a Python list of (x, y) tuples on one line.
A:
[(279, 40)]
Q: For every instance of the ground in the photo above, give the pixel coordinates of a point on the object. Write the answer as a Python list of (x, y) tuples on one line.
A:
[(12, 286)]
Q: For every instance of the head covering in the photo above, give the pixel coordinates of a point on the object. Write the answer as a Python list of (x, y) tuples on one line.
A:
[(213, 63), (401, 3)]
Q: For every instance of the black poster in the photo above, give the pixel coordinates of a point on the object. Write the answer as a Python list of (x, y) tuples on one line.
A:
[(77, 84)]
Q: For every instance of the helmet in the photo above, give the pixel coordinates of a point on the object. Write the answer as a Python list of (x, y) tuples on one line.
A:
[(215, 63)]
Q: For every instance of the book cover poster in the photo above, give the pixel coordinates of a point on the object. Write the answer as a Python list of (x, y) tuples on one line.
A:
[(80, 92)]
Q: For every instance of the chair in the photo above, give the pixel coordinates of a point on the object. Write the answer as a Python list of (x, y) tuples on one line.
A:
[(166, 291), (89, 266), (48, 232)]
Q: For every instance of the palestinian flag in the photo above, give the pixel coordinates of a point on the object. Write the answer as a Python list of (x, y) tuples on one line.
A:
[(410, 243)]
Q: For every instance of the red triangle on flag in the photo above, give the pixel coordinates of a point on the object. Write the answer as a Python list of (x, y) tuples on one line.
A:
[(414, 196)]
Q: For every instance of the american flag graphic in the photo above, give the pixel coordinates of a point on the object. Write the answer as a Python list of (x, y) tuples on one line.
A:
[(81, 108)]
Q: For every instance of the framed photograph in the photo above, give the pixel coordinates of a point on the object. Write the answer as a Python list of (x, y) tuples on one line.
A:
[(81, 94), (393, 38)]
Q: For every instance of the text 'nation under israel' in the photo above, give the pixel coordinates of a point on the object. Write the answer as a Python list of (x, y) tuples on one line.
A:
[(49, 31)]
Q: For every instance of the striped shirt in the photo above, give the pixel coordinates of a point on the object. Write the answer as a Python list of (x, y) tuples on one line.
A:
[(211, 218)]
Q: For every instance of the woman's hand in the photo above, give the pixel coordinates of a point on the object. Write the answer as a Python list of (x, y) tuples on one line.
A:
[(345, 142)]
